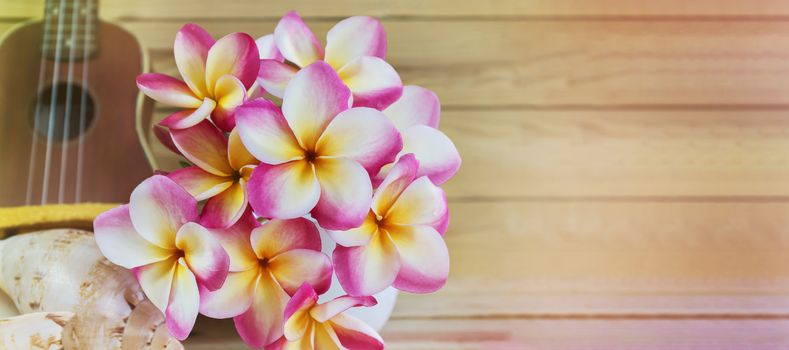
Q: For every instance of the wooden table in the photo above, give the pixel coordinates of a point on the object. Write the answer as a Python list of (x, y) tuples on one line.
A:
[(626, 164)]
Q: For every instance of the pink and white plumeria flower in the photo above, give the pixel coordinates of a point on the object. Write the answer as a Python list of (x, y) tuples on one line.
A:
[(267, 265), (216, 77), (316, 154), (416, 115), (309, 325), (400, 242), (171, 256), (221, 170), (355, 48), (267, 48)]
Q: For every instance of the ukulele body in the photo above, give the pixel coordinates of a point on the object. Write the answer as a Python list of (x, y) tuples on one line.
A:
[(113, 160)]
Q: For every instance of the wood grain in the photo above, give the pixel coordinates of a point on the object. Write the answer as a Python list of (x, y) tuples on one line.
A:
[(184, 9), (565, 64), (629, 257), (526, 334), (625, 164), (614, 153)]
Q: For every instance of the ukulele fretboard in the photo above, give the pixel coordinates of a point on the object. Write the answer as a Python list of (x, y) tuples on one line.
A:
[(70, 29)]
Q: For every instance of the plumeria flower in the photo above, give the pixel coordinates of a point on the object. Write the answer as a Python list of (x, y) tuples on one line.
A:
[(416, 115), (267, 48), (316, 154), (221, 170), (355, 48), (171, 256), (216, 78), (267, 265), (400, 242), (309, 325), (162, 133)]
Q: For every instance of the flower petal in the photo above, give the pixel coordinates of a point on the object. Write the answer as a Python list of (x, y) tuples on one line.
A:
[(120, 243), (189, 117), (355, 334), (191, 50), (237, 154), (345, 193), (203, 254), (274, 76), (156, 280), (162, 133), (265, 132), (325, 339), (230, 93), (225, 208), (262, 323), (377, 145), (276, 237), (400, 176), (200, 183), (234, 298), (424, 259), (167, 90), (328, 310), (374, 82), (267, 48), (158, 208), (295, 40), (297, 312), (205, 146), (437, 155), (235, 54), (312, 99), (421, 203), (303, 343), (356, 236), (417, 106), (355, 37), (184, 302), (286, 191), (296, 267), (236, 242), (369, 269)]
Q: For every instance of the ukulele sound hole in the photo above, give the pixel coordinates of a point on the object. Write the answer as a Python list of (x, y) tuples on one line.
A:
[(69, 118)]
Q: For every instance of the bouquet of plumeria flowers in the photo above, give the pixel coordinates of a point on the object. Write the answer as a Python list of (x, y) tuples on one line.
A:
[(346, 151)]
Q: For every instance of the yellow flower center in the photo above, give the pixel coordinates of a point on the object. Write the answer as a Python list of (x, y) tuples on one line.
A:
[(310, 155), (263, 262)]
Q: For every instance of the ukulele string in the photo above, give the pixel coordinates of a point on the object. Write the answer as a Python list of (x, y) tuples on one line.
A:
[(31, 169), (84, 96), (71, 44), (53, 104)]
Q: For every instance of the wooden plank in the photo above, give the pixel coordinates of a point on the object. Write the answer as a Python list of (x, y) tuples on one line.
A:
[(146, 9), (634, 259), (561, 64), (517, 259), (565, 64), (570, 154), (524, 334)]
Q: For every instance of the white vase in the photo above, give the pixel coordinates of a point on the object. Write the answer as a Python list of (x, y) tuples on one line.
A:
[(375, 316)]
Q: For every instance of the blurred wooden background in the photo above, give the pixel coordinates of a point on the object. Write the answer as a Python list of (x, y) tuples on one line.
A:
[(626, 163)]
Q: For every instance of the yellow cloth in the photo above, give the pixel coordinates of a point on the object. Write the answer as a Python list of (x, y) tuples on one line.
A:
[(15, 220)]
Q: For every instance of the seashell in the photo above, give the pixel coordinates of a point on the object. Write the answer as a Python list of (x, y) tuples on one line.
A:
[(63, 270), (39, 330)]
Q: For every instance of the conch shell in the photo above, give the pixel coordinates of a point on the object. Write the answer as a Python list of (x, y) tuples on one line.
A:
[(39, 330), (63, 270)]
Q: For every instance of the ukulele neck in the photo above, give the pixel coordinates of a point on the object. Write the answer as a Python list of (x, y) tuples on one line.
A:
[(70, 29)]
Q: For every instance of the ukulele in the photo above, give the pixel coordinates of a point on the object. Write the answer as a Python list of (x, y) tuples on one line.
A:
[(70, 112)]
